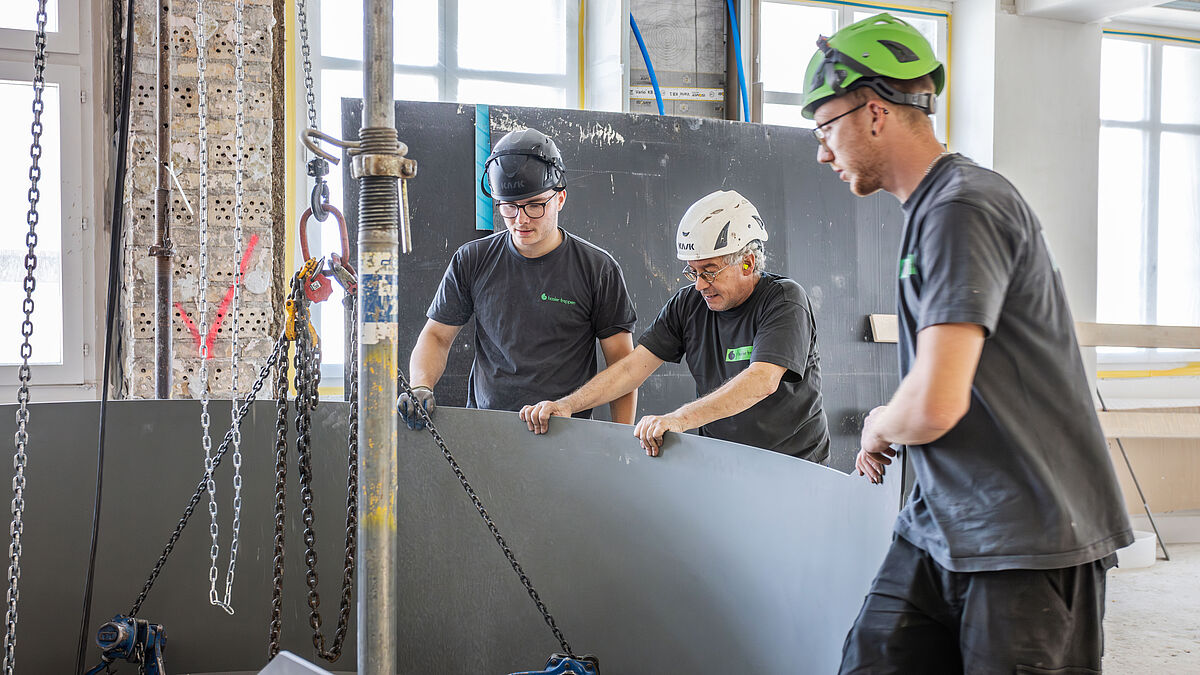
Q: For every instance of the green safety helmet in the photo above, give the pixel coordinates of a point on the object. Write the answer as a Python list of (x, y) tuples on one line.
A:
[(863, 54)]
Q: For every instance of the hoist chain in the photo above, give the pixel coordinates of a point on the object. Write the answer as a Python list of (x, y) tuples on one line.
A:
[(273, 359), (235, 305), (21, 439), (306, 364), (281, 446), (508, 554)]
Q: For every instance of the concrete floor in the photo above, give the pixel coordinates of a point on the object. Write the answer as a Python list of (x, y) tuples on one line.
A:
[(1152, 624)]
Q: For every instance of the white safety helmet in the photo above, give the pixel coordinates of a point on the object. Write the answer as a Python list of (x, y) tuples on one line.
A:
[(718, 224)]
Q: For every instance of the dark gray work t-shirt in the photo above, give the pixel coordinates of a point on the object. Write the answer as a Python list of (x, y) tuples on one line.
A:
[(1024, 480), (536, 319), (774, 325)]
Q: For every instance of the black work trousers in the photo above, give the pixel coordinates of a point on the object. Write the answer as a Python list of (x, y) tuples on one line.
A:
[(920, 617)]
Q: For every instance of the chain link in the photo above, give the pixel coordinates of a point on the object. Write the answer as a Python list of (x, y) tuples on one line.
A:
[(305, 51), (274, 358), (487, 519), (235, 305), (306, 364), (21, 439)]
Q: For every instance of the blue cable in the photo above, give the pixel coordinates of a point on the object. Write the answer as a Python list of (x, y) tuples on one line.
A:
[(646, 57), (737, 52)]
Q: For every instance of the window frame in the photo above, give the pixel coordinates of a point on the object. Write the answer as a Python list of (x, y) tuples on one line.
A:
[(65, 40), (72, 158), (938, 11), (1153, 128), (448, 75)]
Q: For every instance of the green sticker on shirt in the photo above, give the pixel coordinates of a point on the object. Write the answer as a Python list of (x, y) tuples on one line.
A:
[(908, 266), (738, 354)]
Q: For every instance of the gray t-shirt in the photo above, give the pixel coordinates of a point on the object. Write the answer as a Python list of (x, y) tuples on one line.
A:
[(774, 325), (536, 319), (1024, 480)]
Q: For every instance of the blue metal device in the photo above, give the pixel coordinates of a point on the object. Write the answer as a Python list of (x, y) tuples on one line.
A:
[(134, 640), (566, 664)]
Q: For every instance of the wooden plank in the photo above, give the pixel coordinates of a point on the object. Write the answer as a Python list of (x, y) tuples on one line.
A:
[(1129, 424), (885, 327), (1133, 335)]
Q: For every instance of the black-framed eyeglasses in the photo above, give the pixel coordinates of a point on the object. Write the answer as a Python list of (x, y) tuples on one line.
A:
[(692, 274), (534, 210), (819, 130)]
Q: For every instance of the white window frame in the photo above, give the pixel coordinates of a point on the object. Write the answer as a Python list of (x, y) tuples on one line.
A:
[(65, 40), (1154, 128), (74, 155), (939, 11), (448, 75)]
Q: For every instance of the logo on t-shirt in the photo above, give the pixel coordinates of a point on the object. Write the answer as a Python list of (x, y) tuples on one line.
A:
[(908, 266), (738, 353), (551, 298)]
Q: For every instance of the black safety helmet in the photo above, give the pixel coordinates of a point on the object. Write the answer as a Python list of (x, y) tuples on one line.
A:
[(524, 163)]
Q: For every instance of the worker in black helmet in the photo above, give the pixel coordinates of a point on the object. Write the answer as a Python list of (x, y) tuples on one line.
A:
[(542, 298)]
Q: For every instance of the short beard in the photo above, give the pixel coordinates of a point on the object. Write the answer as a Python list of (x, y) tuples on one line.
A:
[(867, 180)]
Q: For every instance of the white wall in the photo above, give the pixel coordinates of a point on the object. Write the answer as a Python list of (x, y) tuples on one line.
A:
[(973, 80)]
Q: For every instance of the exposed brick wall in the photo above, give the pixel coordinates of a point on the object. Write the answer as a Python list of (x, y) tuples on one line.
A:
[(262, 194)]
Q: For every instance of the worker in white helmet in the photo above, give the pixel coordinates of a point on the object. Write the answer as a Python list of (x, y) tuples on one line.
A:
[(749, 338)]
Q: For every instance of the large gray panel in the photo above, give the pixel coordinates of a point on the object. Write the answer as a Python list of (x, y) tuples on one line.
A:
[(715, 558)]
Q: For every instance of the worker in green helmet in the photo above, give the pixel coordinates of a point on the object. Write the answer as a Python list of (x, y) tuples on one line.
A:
[(1002, 549)]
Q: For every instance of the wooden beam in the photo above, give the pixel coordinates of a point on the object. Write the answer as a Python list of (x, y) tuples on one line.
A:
[(1130, 424), (885, 328), (1133, 335)]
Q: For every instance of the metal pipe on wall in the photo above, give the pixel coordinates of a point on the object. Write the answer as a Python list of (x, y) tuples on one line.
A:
[(378, 162), (162, 250)]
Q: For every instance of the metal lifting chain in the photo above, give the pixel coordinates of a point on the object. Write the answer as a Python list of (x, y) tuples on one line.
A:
[(234, 314), (318, 167), (306, 360), (202, 290), (272, 360), (508, 554), (21, 438)]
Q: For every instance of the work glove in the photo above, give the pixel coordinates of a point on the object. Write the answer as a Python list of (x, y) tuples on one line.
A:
[(406, 405)]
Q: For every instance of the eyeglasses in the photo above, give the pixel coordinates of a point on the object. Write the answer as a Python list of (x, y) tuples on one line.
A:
[(708, 277), (534, 210), (819, 131)]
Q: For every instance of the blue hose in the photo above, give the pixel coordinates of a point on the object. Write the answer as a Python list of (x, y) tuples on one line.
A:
[(737, 52), (646, 57)]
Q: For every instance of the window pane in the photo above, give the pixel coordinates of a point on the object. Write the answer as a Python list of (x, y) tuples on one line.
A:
[(1123, 67), (527, 38), (14, 187), (789, 38), (1121, 235), (1179, 231), (415, 37), (1181, 85), (786, 115), (24, 17), (508, 93)]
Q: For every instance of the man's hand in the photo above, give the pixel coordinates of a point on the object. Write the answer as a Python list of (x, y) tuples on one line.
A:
[(537, 417), (650, 430), (876, 451), (407, 406)]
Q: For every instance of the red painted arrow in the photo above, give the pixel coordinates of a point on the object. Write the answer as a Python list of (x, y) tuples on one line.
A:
[(223, 309)]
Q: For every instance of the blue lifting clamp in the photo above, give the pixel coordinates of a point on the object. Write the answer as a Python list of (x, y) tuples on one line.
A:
[(134, 640), (567, 664)]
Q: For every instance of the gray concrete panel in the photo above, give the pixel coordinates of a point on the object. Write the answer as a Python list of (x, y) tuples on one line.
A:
[(714, 558)]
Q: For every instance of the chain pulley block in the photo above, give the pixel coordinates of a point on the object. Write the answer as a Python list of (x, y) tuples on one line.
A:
[(138, 641), (565, 664)]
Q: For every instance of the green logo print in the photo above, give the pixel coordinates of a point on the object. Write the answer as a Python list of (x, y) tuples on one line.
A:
[(551, 298), (908, 266), (738, 354)]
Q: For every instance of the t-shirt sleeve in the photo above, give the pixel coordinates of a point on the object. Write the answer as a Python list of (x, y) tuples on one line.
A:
[(664, 337), (784, 334), (966, 263), (453, 304), (612, 311)]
